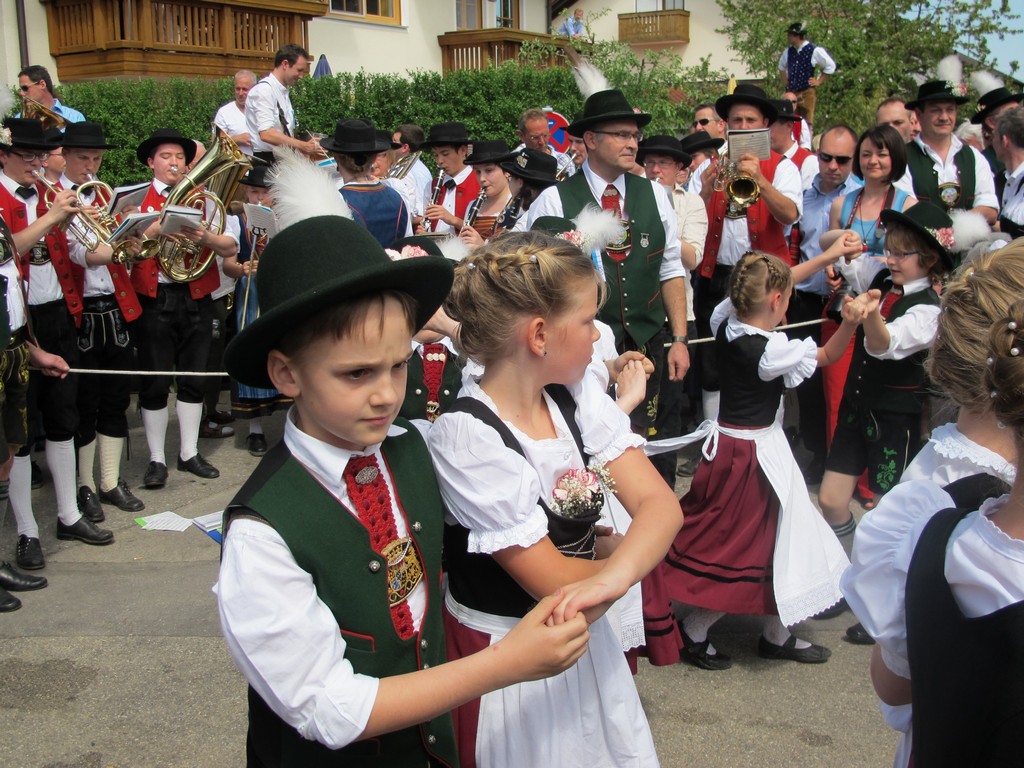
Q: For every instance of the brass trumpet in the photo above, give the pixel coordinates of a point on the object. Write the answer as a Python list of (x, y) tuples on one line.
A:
[(403, 165), (90, 231), (566, 166), (740, 189), (33, 110)]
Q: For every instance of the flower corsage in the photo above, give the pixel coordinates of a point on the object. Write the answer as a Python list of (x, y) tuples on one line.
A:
[(581, 492)]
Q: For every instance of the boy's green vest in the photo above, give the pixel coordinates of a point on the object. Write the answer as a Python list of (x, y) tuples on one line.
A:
[(330, 543), (414, 406), (634, 306)]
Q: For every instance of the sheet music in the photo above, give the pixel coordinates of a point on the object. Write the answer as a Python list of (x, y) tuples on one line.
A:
[(260, 220), (755, 142)]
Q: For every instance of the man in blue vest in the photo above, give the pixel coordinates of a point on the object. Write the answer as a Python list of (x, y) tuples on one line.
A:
[(941, 169), (645, 274), (797, 65)]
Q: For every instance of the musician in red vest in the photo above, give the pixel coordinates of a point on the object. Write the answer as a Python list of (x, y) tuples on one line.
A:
[(449, 144), (34, 216), (177, 319), (782, 141), (736, 227), (104, 340)]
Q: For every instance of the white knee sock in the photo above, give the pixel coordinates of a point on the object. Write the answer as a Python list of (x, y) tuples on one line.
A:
[(110, 460), (21, 497), (86, 464), (60, 458), (710, 401), (190, 416), (155, 423), (775, 632), (697, 624), (256, 426)]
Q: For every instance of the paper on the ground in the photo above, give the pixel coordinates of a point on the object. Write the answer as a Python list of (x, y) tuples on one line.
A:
[(164, 521), (210, 522)]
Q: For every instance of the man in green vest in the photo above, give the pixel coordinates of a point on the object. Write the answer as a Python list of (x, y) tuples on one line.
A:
[(994, 99), (330, 575), (644, 272), (941, 169)]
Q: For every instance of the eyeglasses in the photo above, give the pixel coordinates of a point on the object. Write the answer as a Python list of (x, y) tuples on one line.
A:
[(899, 255), (792, 101), (31, 157), (636, 136), (25, 87), (702, 121), (826, 158)]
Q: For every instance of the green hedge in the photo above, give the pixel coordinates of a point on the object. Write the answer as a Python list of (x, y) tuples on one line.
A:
[(488, 101)]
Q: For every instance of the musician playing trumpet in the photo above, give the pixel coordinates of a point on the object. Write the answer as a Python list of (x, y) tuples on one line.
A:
[(177, 318), (36, 218), (455, 186)]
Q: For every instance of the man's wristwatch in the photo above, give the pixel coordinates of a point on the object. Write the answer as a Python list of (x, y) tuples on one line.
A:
[(684, 340)]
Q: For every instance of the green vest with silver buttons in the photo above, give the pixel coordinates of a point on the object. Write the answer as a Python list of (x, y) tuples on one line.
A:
[(329, 543)]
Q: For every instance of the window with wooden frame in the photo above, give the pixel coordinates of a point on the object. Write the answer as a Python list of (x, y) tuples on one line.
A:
[(382, 11), (507, 15)]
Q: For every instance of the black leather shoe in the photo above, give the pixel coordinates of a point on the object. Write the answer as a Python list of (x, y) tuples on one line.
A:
[(122, 498), (814, 654), (697, 654), (830, 613), (37, 475), (256, 445), (199, 467), (219, 417), (89, 505), (858, 635), (15, 581), (29, 554), (156, 475), (85, 530), (8, 602)]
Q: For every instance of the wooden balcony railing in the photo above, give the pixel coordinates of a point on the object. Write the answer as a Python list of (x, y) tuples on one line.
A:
[(655, 28), (162, 38), (482, 48)]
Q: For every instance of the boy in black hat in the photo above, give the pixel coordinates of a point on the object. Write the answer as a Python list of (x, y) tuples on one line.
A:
[(648, 257), (941, 169), (329, 577), (455, 186), (104, 339), (55, 308), (797, 65), (177, 319)]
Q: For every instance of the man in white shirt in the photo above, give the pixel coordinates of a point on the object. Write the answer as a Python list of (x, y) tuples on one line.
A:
[(410, 138), (230, 118), (269, 116), (941, 169), (797, 65), (1008, 141), (535, 133)]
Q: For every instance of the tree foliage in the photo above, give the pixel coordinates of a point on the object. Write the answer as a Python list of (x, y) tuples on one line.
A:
[(880, 47)]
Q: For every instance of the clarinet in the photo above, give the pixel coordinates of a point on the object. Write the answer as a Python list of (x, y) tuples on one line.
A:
[(435, 196), (510, 214), (473, 210)]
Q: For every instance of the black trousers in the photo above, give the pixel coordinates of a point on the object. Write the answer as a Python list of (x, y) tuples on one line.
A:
[(55, 399), (810, 393), (104, 342), (709, 293), (174, 334)]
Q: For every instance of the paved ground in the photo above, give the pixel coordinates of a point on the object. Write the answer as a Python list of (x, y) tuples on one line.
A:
[(119, 662)]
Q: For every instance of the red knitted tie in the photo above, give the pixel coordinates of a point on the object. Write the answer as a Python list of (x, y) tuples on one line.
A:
[(434, 358), (894, 294), (610, 200), (372, 501)]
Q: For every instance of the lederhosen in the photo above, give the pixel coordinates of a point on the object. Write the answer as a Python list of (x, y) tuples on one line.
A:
[(967, 674), (333, 546), (14, 358), (105, 342), (634, 309), (879, 424)]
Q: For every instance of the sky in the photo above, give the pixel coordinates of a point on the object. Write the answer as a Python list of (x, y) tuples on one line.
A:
[(1012, 46)]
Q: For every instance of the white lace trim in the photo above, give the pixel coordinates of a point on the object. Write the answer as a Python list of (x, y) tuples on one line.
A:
[(619, 446), (951, 443), (524, 534)]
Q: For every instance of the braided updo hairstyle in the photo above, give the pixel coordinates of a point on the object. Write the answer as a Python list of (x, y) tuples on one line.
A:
[(1005, 375), (979, 296), (755, 276), (518, 275)]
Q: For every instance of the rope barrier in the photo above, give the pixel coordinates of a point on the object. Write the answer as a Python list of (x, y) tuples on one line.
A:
[(100, 371)]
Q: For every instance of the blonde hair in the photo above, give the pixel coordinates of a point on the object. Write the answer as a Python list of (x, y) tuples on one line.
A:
[(755, 276), (521, 274), (980, 295), (1005, 376)]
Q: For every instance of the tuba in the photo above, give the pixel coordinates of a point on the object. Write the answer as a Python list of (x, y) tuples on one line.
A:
[(33, 110), (212, 181)]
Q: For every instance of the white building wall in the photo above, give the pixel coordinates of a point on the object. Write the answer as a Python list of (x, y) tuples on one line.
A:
[(38, 40)]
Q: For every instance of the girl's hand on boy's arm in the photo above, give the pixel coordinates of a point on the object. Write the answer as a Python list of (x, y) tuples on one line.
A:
[(607, 541), (591, 597), (538, 647), (631, 386)]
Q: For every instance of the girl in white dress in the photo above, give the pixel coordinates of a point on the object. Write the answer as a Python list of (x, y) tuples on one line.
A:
[(527, 430), (962, 464)]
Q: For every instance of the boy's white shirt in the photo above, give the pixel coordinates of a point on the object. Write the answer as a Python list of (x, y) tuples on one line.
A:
[(282, 636)]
